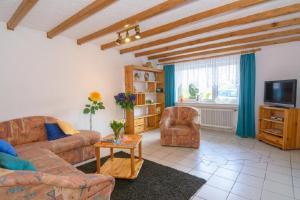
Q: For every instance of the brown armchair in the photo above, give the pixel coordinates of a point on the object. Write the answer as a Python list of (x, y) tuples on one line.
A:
[(179, 127)]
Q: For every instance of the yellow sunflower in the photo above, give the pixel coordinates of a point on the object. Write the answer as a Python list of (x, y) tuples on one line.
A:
[(95, 96)]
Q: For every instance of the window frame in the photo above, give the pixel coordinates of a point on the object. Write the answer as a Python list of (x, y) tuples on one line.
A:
[(215, 91)]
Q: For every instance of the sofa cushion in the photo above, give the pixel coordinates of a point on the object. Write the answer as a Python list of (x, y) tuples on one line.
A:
[(84, 138), (46, 161), (8, 161), (34, 145), (54, 132), (5, 147), (67, 128), (181, 129)]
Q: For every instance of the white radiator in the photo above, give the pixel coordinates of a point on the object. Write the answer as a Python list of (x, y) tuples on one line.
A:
[(218, 118)]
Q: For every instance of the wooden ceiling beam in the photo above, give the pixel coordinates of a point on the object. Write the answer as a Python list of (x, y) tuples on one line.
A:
[(241, 47), (256, 29), (235, 22), (193, 18), (213, 56), (146, 14), (84, 13), (20, 13), (230, 42)]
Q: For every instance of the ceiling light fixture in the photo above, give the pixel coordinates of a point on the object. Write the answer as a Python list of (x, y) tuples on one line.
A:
[(119, 40), (137, 32), (127, 38)]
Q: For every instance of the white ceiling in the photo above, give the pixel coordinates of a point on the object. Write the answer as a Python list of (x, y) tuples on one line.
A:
[(46, 14)]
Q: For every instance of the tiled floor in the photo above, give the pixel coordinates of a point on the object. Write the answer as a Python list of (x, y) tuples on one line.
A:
[(235, 168)]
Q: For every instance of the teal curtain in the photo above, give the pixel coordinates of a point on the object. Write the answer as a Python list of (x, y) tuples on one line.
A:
[(246, 114), (169, 85)]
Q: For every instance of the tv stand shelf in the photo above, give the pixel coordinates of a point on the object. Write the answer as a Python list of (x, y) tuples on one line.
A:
[(273, 121), (284, 132)]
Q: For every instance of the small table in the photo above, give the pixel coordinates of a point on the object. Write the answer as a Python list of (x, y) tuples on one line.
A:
[(125, 168)]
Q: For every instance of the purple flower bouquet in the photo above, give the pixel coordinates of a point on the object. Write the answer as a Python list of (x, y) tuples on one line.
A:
[(125, 100)]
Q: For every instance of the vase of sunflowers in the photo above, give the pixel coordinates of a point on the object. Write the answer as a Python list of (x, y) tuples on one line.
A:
[(94, 105)]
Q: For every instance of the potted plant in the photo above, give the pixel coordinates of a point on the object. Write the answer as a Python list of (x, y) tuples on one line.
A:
[(126, 101), (117, 126), (94, 105), (193, 90)]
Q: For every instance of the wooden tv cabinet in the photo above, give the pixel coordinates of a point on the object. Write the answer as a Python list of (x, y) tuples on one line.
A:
[(279, 127)]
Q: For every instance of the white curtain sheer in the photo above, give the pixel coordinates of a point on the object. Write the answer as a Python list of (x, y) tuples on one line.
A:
[(213, 80)]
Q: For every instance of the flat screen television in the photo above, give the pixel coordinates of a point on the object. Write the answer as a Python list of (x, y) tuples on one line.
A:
[(281, 93)]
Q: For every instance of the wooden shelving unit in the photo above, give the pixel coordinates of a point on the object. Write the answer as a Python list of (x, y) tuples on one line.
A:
[(279, 127), (149, 117)]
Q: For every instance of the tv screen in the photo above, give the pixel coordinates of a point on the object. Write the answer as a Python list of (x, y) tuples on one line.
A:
[(281, 93)]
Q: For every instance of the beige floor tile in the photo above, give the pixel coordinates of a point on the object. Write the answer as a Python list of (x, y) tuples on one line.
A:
[(282, 189), (296, 181), (235, 197), (267, 195), (296, 173), (258, 172), (206, 167), (250, 180), (200, 174), (221, 183), (226, 173), (279, 169), (246, 191), (211, 193), (281, 178), (297, 192), (234, 167), (182, 168)]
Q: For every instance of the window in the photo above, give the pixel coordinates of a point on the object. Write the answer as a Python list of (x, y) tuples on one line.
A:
[(208, 81)]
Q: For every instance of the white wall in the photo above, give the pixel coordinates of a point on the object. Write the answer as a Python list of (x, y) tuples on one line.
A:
[(277, 62), (39, 76)]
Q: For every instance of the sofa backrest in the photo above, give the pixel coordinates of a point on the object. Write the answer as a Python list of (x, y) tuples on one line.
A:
[(25, 130)]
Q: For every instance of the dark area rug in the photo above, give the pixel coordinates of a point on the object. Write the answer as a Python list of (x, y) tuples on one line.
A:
[(154, 182)]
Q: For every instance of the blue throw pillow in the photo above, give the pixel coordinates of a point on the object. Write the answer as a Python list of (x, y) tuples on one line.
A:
[(5, 147), (8, 161), (54, 132)]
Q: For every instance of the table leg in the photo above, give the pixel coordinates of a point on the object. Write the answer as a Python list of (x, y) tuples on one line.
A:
[(111, 154), (132, 161), (98, 162), (140, 150)]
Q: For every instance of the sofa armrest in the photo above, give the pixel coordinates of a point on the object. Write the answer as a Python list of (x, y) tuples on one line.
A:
[(11, 178), (165, 123), (92, 132), (195, 126), (75, 185)]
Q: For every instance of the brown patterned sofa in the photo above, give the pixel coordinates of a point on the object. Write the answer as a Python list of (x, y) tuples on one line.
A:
[(55, 178), (179, 127)]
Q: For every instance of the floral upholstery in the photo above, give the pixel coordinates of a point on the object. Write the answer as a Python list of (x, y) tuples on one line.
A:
[(38, 185), (55, 178), (179, 127), (25, 130)]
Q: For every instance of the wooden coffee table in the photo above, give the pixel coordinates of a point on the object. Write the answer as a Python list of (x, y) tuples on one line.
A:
[(125, 168)]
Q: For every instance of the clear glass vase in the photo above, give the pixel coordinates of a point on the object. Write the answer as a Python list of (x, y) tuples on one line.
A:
[(117, 138)]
